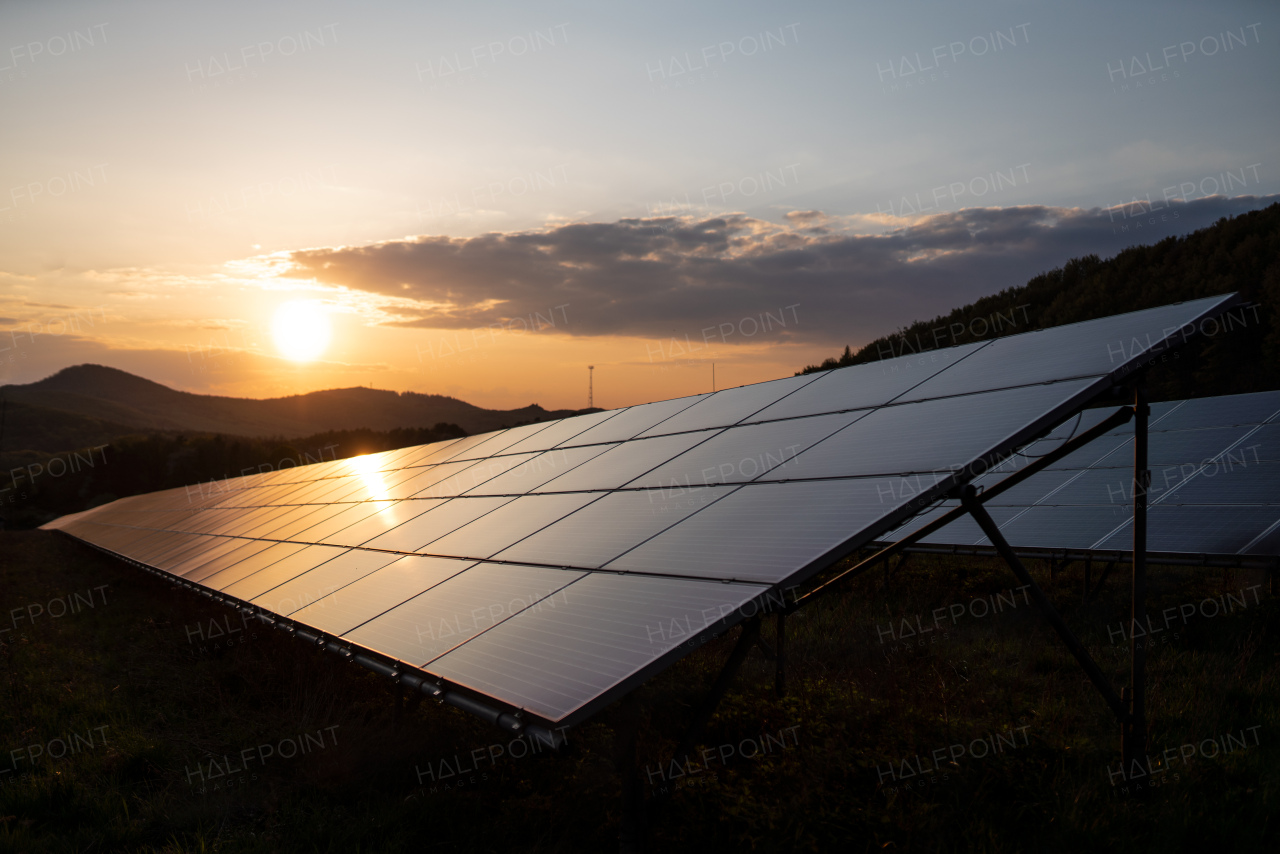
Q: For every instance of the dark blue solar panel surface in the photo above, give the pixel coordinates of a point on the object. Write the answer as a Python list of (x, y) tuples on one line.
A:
[(546, 565), (1215, 485)]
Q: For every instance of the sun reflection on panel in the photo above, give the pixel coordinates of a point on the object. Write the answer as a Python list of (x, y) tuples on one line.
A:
[(369, 468)]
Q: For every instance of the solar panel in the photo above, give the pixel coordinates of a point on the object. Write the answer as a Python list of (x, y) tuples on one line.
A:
[(1215, 485), (549, 568)]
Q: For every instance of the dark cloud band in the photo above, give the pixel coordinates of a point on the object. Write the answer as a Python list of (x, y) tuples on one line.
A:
[(678, 275)]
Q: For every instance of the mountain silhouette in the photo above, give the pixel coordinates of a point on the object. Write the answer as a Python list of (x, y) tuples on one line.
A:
[(98, 402)]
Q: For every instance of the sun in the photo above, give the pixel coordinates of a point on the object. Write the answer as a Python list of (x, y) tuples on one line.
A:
[(301, 330)]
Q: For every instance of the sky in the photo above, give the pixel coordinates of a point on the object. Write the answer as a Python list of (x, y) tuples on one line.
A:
[(483, 199)]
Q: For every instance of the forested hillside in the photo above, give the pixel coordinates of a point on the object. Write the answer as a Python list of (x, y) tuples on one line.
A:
[(117, 399), (1240, 254)]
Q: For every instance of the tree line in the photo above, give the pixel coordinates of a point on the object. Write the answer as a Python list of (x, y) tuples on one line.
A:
[(1240, 254)]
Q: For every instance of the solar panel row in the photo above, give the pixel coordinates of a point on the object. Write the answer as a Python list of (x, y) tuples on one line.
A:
[(1215, 488), (550, 566)]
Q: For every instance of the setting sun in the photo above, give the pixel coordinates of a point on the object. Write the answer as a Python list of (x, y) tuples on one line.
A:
[(301, 330)]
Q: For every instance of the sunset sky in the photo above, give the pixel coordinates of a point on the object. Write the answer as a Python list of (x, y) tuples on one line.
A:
[(481, 199)]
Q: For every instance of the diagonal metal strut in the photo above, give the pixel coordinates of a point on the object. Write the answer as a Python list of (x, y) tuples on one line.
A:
[(1116, 419), (971, 504)]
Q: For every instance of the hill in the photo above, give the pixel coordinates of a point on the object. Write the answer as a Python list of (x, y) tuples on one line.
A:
[(115, 402), (44, 430), (1234, 254)]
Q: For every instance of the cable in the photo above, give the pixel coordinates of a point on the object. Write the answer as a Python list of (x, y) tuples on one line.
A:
[(1074, 428)]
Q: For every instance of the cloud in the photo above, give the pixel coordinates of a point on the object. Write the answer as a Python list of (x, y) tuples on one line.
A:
[(678, 275)]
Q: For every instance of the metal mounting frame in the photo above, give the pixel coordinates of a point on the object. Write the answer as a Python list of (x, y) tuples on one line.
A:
[(1129, 705)]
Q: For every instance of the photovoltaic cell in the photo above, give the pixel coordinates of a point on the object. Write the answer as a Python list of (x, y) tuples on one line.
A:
[(1265, 443), (426, 454), (463, 449), (286, 569), (175, 550), (560, 432), (314, 584), (344, 518), (1049, 482), (277, 552), (1225, 481), (1266, 543), (378, 592), (291, 527), (624, 462), (606, 528), (218, 556), (315, 492), (1094, 487), (1066, 527), (399, 458), (508, 524), (631, 422), (534, 472), (731, 405), (499, 441), (1227, 410), (279, 518), (448, 516), (450, 611), (474, 475), (745, 453), (206, 523), (214, 560), (1198, 530), (1105, 450), (381, 522), (864, 386), (422, 478)]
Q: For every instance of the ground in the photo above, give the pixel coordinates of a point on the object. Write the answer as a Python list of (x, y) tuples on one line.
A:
[(138, 716)]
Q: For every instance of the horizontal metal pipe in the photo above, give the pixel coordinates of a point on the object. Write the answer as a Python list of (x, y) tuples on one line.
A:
[(376, 666), (480, 710), (1227, 561)]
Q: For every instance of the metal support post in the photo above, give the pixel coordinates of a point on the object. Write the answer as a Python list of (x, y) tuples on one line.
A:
[(750, 632), (1133, 734), (1097, 588), (780, 673), (748, 638), (626, 734)]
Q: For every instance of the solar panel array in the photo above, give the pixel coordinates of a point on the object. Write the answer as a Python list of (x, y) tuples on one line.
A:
[(550, 567), (1215, 485)]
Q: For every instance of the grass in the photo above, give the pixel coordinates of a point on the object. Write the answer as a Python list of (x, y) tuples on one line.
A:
[(860, 701)]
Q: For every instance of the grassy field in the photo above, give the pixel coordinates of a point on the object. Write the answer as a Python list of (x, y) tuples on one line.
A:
[(136, 716)]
